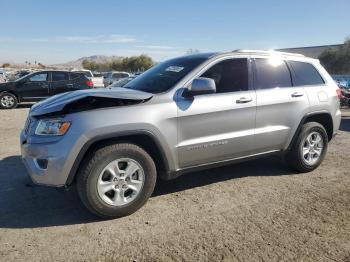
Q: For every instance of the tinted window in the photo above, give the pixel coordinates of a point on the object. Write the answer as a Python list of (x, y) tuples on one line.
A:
[(229, 75), (164, 76), (305, 74), (120, 75), (271, 73), (60, 76), (74, 75), (85, 73), (38, 77)]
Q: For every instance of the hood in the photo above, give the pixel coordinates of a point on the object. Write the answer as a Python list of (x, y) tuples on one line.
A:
[(83, 100), (6, 85)]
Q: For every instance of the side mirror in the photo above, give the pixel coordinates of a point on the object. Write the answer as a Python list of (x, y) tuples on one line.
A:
[(201, 86)]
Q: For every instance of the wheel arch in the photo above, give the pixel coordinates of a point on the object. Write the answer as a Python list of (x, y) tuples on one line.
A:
[(142, 138), (323, 118), (12, 93)]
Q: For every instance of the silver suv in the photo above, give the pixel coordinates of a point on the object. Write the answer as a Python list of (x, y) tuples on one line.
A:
[(185, 114)]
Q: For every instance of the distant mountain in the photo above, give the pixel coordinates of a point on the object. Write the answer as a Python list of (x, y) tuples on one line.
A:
[(95, 58)]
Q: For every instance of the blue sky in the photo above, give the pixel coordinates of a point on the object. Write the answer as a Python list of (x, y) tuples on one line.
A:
[(60, 31)]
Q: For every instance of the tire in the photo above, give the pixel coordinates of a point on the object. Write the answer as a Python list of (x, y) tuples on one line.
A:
[(95, 171), (298, 158), (8, 101)]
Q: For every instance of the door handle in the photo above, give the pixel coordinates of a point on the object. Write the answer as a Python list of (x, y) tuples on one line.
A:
[(297, 94), (243, 100)]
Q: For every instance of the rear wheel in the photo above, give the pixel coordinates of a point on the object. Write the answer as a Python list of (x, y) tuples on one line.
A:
[(309, 149), (116, 180), (8, 101)]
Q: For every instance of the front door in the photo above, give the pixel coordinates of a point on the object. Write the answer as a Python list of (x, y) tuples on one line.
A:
[(220, 126), (34, 88)]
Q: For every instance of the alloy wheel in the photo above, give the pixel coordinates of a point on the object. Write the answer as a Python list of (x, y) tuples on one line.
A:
[(7, 101), (120, 182), (312, 148)]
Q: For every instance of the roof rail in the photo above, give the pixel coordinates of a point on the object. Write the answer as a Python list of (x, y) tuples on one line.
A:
[(266, 52)]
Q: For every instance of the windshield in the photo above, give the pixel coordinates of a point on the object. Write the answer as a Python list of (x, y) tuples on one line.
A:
[(164, 76), (25, 76)]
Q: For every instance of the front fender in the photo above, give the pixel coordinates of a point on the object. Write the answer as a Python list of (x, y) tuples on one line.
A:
[(167, 158)]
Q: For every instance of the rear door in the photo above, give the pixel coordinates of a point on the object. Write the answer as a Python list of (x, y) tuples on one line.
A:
[(280, 105), (220, 126), (60, 83), (35, 87)]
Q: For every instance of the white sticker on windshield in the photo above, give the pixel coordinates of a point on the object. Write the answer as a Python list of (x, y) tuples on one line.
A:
[(175, 69)]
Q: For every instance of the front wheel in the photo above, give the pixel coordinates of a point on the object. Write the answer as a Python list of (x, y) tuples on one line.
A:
[(116, 180), (8, 101), (309, 149)]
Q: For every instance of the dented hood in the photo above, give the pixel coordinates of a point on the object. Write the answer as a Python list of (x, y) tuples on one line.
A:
[(58, 102)]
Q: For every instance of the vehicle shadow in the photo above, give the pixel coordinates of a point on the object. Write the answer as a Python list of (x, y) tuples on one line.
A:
[(268, 166), (25, 105), (345, 124), (24, 205)]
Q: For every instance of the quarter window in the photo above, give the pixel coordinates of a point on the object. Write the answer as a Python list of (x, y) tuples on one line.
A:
[(39, 77), (271, 73), (305, 74), (60, 76), (229, 75), (74, 75)]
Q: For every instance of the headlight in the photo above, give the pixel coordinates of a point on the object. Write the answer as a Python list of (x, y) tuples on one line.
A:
[(52, 127)]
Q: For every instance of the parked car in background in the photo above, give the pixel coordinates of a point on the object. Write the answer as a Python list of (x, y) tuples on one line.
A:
[(97, 80), (345, 97), (40, 85), (114, 76), (122, 82), (3, 77)]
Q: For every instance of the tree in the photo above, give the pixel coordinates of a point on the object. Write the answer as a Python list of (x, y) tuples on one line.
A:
[(6, 65), (337, 61), (129, 64), (90, 65)]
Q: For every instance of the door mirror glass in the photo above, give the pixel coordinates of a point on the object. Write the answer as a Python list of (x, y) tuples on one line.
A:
[(201, 86)]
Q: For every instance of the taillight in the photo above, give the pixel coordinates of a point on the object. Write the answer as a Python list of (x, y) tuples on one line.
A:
[(89, 83), (339, 93)]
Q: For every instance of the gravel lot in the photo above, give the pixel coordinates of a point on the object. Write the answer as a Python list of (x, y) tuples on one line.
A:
[(254, 211)]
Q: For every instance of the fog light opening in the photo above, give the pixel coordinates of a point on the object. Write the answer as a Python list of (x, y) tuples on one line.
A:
[(42, 163)]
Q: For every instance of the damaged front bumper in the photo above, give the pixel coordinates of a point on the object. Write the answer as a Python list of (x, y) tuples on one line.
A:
[(49, 163)]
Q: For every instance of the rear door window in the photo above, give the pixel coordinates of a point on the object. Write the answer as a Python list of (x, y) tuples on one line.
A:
[(305, 74), (272, 73)]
